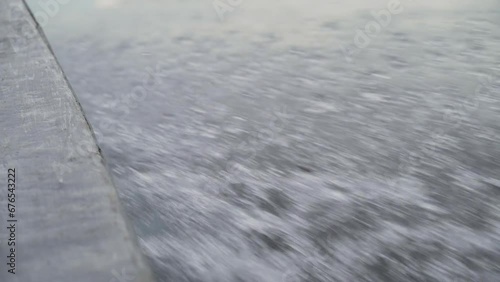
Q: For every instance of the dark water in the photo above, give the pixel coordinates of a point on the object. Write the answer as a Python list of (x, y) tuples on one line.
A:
[(267, 146)]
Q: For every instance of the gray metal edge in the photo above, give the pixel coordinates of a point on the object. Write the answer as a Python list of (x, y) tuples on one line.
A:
[(71, 224)]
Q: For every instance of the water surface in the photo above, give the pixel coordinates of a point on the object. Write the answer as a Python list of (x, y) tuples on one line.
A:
[(268, 147)]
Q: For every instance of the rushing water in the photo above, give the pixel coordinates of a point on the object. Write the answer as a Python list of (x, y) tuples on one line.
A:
[(266, 146)]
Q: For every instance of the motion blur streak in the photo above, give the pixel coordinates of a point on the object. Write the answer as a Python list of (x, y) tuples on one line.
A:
[(297, 140)]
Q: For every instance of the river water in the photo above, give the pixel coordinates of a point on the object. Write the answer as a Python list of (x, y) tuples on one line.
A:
[(273, 141)]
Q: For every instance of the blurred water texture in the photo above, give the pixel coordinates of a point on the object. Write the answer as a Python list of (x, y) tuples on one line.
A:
[(254, 148)]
